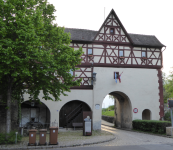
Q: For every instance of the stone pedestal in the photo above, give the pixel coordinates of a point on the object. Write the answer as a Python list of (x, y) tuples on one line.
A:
[(169, 131)]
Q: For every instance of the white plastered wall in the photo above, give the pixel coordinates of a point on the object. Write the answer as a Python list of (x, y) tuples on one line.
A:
[(140, 85), (55, 107)]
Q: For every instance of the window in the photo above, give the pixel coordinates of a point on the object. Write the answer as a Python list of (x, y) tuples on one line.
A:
[(117, 75), (90, 51), (144, 54), (111, 30), (121, 53), (71, 72)]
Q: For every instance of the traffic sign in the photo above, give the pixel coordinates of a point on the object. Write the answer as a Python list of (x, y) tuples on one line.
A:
[(135, 110)]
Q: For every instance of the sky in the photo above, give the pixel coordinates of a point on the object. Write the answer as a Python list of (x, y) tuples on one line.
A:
[(149, 17)]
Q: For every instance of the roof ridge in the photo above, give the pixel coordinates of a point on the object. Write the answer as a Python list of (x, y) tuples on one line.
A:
[(81, 29), (141, 34)]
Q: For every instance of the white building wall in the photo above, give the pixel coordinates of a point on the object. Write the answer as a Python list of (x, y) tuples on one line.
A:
[(55, 106), (140, 85)]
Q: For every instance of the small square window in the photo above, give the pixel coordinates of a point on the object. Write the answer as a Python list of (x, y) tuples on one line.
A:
[(90, 51), (71, 72), (111, 30), (143, 54), (121, 53), (117, 75)]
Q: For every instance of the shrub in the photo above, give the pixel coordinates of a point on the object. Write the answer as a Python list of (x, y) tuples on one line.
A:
[(10, 138), (153, 126), (111, 107), (167, 116)]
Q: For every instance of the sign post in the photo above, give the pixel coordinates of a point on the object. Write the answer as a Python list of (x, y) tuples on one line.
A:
[(169, 130), (172, 116), (170, 105)]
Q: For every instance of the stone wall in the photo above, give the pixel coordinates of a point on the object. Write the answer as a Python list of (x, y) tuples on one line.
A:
[(108, 119)]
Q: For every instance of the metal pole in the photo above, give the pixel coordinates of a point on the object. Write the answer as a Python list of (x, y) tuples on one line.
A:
[(16, 138), (104, 13)]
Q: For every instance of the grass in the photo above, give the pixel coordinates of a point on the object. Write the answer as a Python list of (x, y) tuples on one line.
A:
[(108, 113)]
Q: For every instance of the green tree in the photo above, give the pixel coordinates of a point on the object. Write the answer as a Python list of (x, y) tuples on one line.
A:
[(34, 54), (168, 86)]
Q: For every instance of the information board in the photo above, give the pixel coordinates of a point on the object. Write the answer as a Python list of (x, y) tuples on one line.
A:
[(87, 126)]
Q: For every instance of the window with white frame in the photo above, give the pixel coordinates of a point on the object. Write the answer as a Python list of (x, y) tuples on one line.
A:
[(144, 54), (121, 53), (90, 51)]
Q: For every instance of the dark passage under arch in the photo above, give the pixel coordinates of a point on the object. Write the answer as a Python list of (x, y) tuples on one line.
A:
[(72, 112), (146, 114), (123, 110), (34, 114)]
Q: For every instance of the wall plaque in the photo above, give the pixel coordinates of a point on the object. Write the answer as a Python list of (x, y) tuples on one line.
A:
[(97, 106)]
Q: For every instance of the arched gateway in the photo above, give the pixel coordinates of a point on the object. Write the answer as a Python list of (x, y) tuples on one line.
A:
[(123, 110), (34, 114), (72, 112)]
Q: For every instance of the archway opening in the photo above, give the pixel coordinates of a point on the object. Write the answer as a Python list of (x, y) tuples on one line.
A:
[(34, 114), (72, 112), (122, 110), (146, 114)]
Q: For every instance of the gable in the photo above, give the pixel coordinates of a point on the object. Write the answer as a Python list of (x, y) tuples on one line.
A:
[(112, 23)]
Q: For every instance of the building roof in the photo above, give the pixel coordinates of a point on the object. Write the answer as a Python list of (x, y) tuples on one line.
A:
[(81, 34), (137, 39), (145, 40)]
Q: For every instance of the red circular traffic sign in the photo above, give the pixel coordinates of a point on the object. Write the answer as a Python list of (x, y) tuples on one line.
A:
[(135, 110)]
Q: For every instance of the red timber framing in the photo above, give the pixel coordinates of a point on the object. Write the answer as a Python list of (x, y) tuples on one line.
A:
[(161, 113), (105, 51), (107, 55), (119, 36), (84, 73)]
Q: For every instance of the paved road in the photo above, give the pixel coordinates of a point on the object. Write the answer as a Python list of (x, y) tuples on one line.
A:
[(126, 140)]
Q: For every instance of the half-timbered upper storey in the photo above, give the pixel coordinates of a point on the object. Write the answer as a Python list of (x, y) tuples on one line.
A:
[(112, 46)]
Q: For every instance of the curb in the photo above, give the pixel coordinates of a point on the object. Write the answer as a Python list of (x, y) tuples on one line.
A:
[(55, 146), (138, 131)]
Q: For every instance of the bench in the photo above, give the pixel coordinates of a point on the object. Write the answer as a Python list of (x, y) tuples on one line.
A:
[(77, 125)]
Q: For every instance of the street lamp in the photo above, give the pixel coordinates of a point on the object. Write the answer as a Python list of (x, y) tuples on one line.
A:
[(93, 77)]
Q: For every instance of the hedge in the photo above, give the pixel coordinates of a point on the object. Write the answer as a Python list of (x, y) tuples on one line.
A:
[(153, 126)]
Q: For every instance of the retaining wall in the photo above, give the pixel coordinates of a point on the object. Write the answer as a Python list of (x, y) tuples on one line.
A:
[(108, 119)]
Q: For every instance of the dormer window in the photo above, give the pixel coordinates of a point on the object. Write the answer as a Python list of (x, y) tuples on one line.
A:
[(111, 30), (90, 51)]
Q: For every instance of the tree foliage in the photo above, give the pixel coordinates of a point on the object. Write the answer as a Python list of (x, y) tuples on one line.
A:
[(34, 54), (168, 86)]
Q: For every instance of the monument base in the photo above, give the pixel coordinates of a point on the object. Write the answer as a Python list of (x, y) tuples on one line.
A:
[(169, 131)]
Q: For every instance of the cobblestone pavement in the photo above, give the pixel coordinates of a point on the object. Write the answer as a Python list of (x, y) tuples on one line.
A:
[(124, 138)]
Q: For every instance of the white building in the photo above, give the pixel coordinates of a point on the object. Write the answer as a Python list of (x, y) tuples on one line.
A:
[(137, 58)]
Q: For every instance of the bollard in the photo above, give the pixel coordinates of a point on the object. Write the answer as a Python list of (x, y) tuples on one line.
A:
[(21, 131)]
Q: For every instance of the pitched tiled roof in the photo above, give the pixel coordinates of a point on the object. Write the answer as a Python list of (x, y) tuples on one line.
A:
[(81, 34), (137, 39), (145, 40)]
